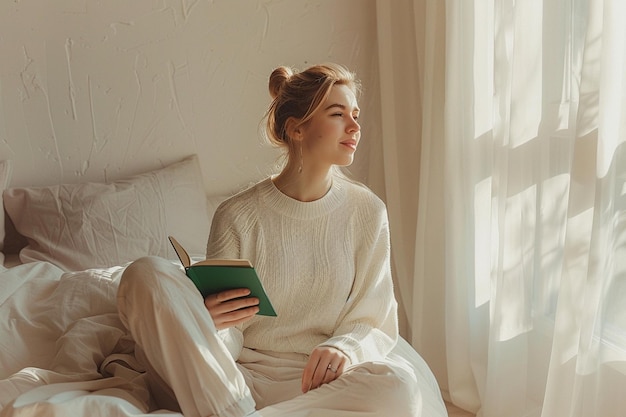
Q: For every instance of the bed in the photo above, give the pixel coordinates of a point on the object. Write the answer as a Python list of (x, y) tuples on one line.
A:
[(63, 349)]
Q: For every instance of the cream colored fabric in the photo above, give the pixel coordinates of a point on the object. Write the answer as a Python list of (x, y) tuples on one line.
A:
[(167, 318), (97, 225), (64, 341), (411, 39), (521, 198), (65, 352), (324, 264), (187, 360)]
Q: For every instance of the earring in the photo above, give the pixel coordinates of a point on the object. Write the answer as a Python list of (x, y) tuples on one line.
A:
[(300, 167)]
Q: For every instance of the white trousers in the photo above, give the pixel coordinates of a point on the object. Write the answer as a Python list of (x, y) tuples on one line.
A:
[(189, 362)]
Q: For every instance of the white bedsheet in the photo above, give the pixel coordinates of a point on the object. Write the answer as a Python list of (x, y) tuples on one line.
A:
[(64, 351)]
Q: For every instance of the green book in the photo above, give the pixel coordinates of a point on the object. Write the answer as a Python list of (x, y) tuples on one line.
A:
[(212, 276)]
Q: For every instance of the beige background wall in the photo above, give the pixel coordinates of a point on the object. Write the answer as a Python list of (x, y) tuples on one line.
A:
[(96, 90)]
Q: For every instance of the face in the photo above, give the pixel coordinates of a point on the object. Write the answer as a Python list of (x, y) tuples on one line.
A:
[(332, 135)]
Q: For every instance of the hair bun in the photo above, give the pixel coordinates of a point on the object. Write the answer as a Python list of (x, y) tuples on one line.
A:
[(278, 78)]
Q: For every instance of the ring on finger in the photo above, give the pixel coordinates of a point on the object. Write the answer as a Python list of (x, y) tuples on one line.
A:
[(333, 370)]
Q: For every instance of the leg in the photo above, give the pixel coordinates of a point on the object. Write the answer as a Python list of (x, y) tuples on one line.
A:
[(369, 389), (167, 318)]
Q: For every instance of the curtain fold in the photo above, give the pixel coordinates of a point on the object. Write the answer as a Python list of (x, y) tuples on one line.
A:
[(509, 236), (411, 39)]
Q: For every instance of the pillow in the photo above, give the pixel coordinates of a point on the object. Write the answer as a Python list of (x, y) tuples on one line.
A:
[(96, 225), (5, 178)]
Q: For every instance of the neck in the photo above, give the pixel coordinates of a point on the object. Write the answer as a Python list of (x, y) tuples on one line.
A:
[(306, 186)]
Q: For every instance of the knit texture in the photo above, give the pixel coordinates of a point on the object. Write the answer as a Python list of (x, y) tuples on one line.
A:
[(324, 264)]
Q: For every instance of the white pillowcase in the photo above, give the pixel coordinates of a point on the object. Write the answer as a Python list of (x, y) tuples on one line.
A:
[(5, 178), (96, 225)]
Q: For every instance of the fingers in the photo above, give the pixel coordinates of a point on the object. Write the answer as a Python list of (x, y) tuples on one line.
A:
[(325, 365), (232, 307), (231, 294)]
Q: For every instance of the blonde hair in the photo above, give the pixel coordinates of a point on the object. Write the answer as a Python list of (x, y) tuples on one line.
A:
[(298, 95)]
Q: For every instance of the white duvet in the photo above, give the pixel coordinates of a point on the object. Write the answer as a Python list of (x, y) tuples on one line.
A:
[(64, 351)]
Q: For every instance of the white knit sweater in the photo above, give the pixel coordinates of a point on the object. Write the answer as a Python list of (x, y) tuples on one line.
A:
[(324, 264)]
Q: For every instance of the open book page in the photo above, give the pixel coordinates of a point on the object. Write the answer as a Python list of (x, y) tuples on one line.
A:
[(185, 259)]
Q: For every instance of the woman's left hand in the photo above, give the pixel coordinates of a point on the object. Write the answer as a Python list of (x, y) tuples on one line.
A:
[(325, 365)]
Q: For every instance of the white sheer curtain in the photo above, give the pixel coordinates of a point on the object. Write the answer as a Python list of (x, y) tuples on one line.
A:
[(519, 228), (411, 40)]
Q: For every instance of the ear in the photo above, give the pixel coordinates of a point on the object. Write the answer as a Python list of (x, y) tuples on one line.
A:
[(294, 129)]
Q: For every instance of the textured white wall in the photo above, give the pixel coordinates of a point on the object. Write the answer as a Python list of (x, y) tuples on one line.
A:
[(96, 90)]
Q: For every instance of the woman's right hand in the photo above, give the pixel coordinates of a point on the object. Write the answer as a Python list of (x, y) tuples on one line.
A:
[(232, 307)]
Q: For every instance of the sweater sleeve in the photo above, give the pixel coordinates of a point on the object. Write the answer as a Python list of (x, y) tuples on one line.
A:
[(367, 328), (223, 240), (223, 243)]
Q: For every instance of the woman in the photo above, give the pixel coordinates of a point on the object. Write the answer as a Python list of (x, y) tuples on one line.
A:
[(320, 244)]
